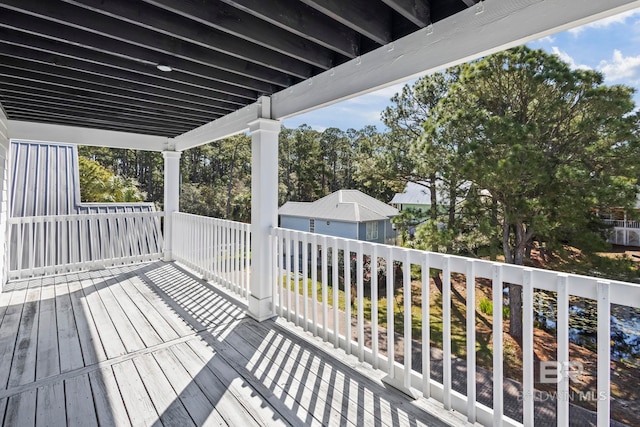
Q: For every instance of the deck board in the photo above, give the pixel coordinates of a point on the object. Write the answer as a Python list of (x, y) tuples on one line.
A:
[(201, 410), (162, 394), (109, 405), (107, 333), (47, 358), (50, 405), (9, 330), (68, 339), (21, 409), (92, 348), (80, 408), (152, 344), (23, 364), (138, 403)]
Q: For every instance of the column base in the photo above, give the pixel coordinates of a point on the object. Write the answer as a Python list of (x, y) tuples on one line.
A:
[(398, 384), (167, 256), (260, 309)]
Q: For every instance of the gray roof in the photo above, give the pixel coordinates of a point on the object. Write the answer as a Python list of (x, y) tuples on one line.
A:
[(414, 194), (343, 205), (45, 180)]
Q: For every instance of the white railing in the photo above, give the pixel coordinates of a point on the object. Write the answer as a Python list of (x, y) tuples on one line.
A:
[(625, 233), (622, 223), (216, 248), (43, 245), (318, 261)]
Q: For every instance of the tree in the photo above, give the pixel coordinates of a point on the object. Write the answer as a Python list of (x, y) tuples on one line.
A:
[(549, 145), (97, 184)]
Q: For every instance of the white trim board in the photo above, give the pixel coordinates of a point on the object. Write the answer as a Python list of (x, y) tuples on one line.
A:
[(46, 132)]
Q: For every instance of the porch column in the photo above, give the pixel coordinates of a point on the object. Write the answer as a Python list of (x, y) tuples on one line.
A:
[(171, 197), (264, 213)]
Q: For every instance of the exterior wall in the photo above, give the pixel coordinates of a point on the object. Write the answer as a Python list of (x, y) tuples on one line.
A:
[(4, 194), (294, 223), (45, 180), (348, 230), (405, 206), (385, 232)]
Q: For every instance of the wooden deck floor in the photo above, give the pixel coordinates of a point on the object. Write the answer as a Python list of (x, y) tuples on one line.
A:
[(153, 345)]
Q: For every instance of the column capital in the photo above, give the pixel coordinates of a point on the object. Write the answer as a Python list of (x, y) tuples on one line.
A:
[(170, 154), (268, 125)]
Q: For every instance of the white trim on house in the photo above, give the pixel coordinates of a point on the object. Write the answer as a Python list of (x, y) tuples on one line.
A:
[(46, 132)]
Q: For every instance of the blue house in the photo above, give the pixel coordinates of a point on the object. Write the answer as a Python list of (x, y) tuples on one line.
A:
[(346, 213)]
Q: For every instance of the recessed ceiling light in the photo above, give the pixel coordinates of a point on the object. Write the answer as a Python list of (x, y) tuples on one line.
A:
[(164, 67)]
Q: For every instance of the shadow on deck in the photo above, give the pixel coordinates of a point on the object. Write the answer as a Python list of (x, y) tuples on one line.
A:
[(153, 344)]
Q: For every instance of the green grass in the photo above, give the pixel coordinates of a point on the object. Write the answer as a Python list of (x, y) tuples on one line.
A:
[(458, 323)]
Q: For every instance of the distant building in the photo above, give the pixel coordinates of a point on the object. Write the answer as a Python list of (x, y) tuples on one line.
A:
[(414, 196), (346, 213)]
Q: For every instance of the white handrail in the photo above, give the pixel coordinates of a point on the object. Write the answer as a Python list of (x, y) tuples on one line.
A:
[(217, 248), (42, 245), (341, 260)]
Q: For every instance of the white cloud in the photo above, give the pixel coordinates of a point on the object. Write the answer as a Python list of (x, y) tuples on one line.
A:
[(569, 59), (606, 22), (621, 67)]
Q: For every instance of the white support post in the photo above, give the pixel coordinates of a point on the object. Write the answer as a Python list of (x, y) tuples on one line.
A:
[(264, 214), (171, 197)]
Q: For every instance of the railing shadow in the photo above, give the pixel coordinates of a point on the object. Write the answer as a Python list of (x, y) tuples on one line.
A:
[(302, 383)]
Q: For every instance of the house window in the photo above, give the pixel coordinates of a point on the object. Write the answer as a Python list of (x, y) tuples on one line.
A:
[(372, 230), (312, 225)]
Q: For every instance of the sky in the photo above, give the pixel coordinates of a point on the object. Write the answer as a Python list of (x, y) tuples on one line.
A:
[(611, 46)]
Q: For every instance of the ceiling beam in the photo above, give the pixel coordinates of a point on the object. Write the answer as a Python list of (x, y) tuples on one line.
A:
[(370, 18), (157, 28), (139, 45), (229, 93), (304, 21), (28, 87), (143, 116), (30, 131), (63, 65), (223, 127), (38, 118), (101, 85), (416, 11), (37, 103), (455, 40), (89, 118), (216, 14)]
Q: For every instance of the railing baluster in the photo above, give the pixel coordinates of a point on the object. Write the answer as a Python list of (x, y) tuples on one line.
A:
[(296, 278), (563, 351), (426, 333), (391, 341), (314, 284), (360, 300), (281, 271), (374, 306), (446, 331), (527, 349), (347, 296), (471, 342), (325, 289), (288, 268), (335, 283), (408, 320), (604, 354), (275, 274), (498, 397), (305, 282)]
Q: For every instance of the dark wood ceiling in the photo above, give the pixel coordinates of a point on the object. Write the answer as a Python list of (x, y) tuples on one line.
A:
[(93, 63)]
